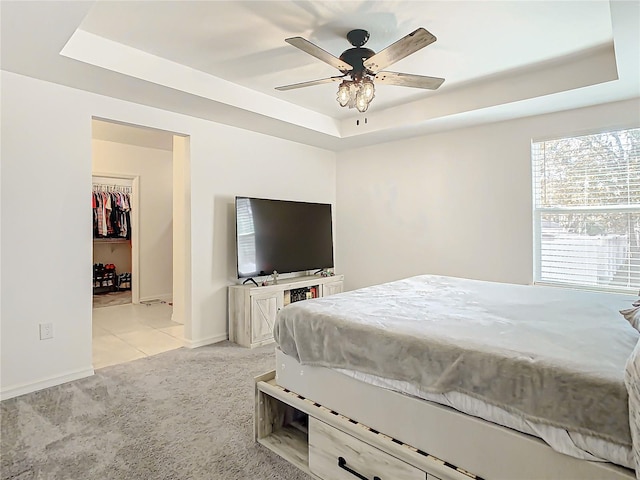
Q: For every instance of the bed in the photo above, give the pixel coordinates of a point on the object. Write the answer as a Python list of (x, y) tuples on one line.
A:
[(500, 381)]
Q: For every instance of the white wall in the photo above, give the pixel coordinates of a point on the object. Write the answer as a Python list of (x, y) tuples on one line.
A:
[(241, 163), (46, 242), (155, 168), (46, 180), (118, 254), (456, 203)]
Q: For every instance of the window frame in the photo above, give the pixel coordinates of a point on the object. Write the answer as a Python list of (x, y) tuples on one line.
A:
[(537, 213)]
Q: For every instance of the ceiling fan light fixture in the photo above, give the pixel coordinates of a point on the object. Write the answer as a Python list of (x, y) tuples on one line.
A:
[(367, 89), (356, 93), (361, 102), (344, 93)]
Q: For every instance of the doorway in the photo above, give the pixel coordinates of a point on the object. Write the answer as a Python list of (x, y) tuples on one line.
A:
[(133, 314)]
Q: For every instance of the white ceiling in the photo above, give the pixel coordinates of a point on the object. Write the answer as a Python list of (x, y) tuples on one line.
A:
[(243, 42), (222, 60)]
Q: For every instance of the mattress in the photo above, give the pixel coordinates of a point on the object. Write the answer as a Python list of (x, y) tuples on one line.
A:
[(552, 359), (577, 445)]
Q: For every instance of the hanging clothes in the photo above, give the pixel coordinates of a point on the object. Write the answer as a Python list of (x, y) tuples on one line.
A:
[(111, 211)]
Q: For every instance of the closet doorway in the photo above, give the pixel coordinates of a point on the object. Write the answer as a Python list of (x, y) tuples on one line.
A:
[(133, 254), (115, 241)]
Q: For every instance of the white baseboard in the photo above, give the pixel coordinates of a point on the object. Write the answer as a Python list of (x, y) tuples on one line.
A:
[(167, 297), (206, 341), (17, 390)]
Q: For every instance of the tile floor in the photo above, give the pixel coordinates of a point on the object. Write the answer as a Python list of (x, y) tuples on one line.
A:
[(127, 332)]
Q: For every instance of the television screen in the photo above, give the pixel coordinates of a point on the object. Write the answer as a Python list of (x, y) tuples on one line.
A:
[(282, 235)]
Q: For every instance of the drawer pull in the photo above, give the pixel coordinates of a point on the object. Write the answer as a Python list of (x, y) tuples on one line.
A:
[(342, 463)]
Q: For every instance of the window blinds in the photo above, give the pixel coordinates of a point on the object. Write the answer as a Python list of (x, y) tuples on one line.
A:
[(246, 240), (587, 211)]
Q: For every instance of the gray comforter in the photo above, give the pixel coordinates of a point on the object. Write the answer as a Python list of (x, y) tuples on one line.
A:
[(555, 356), (632, 380)]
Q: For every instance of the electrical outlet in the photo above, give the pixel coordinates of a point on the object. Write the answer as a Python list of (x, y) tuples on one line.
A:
[(46, 331)]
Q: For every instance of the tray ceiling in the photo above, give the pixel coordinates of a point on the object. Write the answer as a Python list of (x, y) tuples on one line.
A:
[(223, 59)]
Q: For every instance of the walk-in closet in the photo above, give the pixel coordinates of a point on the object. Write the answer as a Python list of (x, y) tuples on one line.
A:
[(111, 204)]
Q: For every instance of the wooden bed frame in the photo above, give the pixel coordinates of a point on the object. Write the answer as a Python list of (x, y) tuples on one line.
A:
[(440, 442)]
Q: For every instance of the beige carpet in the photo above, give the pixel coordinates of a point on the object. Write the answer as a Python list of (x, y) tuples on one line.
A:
[(184, 414)]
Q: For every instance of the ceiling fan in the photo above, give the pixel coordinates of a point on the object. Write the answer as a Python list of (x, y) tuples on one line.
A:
[(361, 66)]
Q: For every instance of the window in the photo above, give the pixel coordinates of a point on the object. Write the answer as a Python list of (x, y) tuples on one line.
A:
[(246, 237), (586, 200)]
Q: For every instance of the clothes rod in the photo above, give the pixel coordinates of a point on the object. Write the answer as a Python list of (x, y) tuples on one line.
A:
[(99, 187)]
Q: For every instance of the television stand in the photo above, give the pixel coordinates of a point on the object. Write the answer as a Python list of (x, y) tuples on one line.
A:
[(250, 279), (253, 309)]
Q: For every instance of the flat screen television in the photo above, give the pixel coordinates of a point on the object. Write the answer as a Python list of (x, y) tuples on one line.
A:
[(282, 235)]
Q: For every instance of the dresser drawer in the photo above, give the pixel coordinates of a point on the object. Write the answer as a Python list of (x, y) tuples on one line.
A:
[(335, 455)]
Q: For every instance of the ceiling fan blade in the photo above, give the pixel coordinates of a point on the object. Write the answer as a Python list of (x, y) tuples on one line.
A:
[(404, 47), (311, 83), (408, 80), (311, 49)]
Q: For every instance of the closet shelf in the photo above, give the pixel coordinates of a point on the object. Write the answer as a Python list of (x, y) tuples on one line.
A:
[(111, 240)]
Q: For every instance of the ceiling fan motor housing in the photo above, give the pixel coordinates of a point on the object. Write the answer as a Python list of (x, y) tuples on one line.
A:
[(356, 57), (358, 37)]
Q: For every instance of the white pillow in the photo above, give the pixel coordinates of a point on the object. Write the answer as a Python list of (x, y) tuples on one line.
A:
[(632, 382), (633, 315)]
